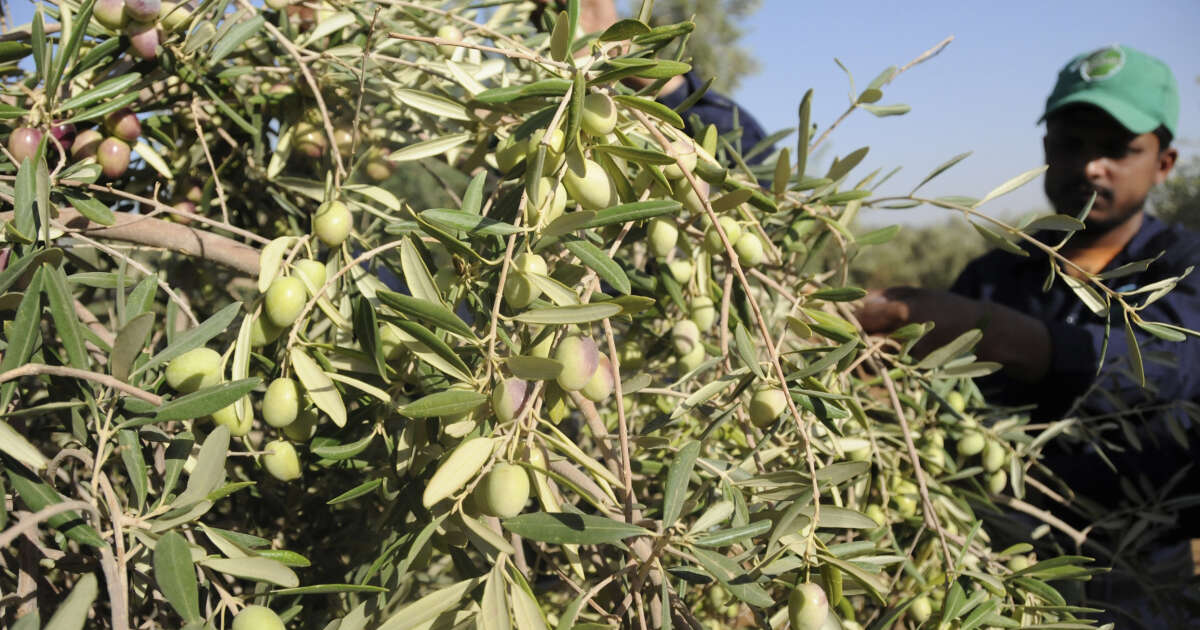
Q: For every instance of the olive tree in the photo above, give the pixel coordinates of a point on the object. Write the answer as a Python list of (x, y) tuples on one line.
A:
[(251, 376)]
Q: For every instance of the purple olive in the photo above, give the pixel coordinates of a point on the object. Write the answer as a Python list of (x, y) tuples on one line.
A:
[(23, 142), (143, 39), (113, 155), (111, 13), (124, 124), (143, 10), (86, 143), (309, 141), (65, 134)]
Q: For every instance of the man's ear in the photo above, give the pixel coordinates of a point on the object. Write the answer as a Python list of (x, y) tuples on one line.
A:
[(1166, 162)]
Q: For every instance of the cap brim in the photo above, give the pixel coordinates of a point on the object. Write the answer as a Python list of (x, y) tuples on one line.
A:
[(1130, 117)]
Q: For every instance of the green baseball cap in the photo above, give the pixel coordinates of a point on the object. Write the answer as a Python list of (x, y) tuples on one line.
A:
[(1136, 89)]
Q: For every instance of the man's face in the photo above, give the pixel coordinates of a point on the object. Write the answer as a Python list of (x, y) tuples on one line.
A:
[(1088, 151)]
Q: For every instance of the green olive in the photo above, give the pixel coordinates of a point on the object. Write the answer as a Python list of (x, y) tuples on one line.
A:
[(1019, 563), (281, 461), (601, 385), (971, 444), (733, 232), (550, 204), (281, 403), (580, 358), (509, 153), (227, 416), (680, 270), (684, 151), (692, 360), (765, 406), (662, 234), (450, 33), (589, 185), (956, 401), (303, 428), (749, 249), (503, 491), (554, 151), (906, 505), (599, 114), (263, 332), (508, 398), (332, 223), (703, 312), (875, 512), (684, 193), (193, 370), (685, 335), (993, 456), (311, 273), (921, 609), (284, 301), (808, 607), (997, 481), (110, 13), (257, 618)]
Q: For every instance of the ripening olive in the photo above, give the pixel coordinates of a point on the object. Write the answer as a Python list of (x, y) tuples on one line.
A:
[(110, 13), (921, 609), (703, 312), (309, 140), (503, 491), (993, 456), (807, 607), (971, 444), (23, 143), (343, 139), (65, 134), (281, 403), (589, 185), (662, 234), (257, 618), (733, 232), (263, 332), (303, 428), (193, 370), (278, 5), (284, 300), (227, 416), (508, 398), (143, 10), (378, 168), (580, 358), (601, 385), (113, 155), (685, 335), (173, 15), (87, 142), (684, 151), (749, 249), (519, 289), (311, 273), (765, 406), (332, 223), (450, 33), (599, 114), (143, 39), (390, 341), (281, 461), (123, 124)]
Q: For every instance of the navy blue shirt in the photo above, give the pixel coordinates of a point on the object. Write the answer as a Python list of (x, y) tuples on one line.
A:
[(1077, 337), (717, 109)]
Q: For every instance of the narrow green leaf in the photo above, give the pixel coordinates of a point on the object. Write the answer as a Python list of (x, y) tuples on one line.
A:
[(960, 345), (23, 335), (1012, 184), (105, 108), (677, 482), (887, 110), (654, 108), (444, 403), (210, 468), (235, 38), (428, 148), (72, 613), (135, 464), (128, 346), (37, 495), (206, 401), (112, 87), (733, 577), (598, 260), (194, 338), (430, 606), (319, 386), (1135, 354), (89, 207), (1056, 222), (635, 211), (569, 528), (941, 168), (355, 492), (579, 314), (468, 222), (424, 311), (255, 569), (62, 308), (176, 576), (999, 241)]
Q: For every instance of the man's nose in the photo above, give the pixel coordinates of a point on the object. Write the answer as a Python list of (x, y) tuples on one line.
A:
[(1095, 167)]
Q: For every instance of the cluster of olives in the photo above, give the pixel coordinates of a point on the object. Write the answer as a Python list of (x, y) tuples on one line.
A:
[(108, 144), (142, 21), (993, 455)]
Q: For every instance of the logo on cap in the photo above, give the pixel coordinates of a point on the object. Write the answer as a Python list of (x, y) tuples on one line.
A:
[(1102, 64)]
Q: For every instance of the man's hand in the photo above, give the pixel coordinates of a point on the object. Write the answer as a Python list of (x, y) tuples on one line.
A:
[(1017, 341)]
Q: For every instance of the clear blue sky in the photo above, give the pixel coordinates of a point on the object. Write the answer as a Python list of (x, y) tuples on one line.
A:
[(984, 92)]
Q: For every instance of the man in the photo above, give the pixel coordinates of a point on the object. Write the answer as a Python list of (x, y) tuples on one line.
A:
[(1109, 124)]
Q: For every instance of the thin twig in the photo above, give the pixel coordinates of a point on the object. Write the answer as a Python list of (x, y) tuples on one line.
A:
[(35, 369)]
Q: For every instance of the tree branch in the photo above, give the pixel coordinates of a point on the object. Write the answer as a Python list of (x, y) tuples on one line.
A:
[(34, 369)]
